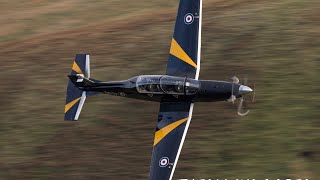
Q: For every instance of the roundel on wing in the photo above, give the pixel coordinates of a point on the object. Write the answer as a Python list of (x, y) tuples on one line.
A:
[(188, 18), (163, 162)]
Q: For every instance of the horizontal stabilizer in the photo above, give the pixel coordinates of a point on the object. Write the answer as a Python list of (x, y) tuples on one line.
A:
[(74, 102)]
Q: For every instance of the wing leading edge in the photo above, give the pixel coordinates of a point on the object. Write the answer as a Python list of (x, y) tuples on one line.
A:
[(184, 58), (172, 126)]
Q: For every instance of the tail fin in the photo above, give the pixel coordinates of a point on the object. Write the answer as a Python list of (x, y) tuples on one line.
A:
[(75, 96)]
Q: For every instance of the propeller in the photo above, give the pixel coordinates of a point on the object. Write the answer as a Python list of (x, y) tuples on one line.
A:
[(235, 80), (242, 104), (245, 89)]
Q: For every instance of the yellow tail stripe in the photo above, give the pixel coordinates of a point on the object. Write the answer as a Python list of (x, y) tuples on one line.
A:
[(70, 105), (160, 134), (76, 68), (178, 52)]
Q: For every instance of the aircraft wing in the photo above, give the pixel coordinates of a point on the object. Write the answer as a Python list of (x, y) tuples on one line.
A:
[(185, 50), (172, 126)]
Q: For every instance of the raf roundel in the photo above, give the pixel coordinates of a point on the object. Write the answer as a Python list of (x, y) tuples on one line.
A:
[(188, 18), (164, 161)]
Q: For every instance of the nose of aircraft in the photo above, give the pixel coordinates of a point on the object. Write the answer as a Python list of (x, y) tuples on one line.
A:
[(244, 90)]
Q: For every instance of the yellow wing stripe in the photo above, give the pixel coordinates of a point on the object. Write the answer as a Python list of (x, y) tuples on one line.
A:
[(70, 105), (178, 52), (76, 68), (160, 134)]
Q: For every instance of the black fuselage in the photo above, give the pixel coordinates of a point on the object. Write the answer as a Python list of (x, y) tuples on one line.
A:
[(165, 88)]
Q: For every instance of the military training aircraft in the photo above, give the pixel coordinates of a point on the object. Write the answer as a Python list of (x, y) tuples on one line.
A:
[(177, 90)]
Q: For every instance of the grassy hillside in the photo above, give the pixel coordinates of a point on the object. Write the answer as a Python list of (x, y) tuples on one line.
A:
[(274, 43)]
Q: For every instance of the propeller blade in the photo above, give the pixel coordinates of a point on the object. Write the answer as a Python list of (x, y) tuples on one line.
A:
[(240, 108), (244, 114), (232, 99), (235, 80), (254, 93), (245, 80)]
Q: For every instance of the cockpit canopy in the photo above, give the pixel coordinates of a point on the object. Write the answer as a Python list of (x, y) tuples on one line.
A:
[(147, 84), (157, 84)]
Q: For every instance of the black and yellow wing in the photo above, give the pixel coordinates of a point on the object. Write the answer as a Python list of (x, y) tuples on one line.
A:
[(172, 126), (185, 50), (174, 117)]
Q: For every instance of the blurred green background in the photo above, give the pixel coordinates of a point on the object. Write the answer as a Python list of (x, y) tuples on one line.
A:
[(273, 42)]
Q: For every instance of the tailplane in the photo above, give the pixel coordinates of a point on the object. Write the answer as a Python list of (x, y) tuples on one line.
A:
[(76, 97)]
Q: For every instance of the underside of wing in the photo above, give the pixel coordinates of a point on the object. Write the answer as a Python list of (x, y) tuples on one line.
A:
[(172, 126), (184, 58)]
